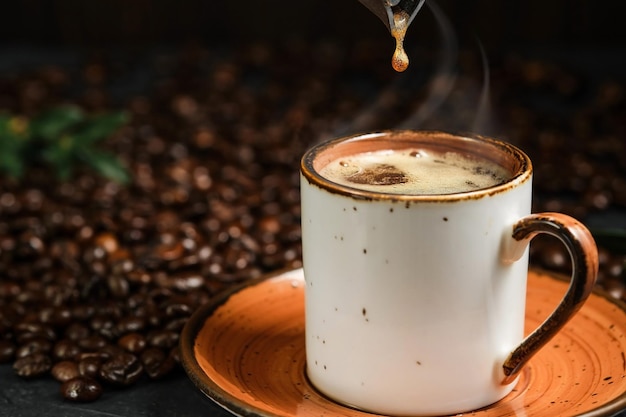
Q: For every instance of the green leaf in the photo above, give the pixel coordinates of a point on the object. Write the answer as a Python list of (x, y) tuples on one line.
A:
[(61, 137), (612, 239), (4, 122), (51, 124), (61, 158), (12, 149), (11, 164), (105, 164), (14, 129), (99, 127)]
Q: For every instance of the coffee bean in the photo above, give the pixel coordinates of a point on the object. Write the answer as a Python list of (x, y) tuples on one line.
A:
[(107, 241), (26, 331), (616, 288), (132, 342), (175, 354), (77, 332), (81, 389), (92, 343), (8, 289), (35, 345), (555, 258), (64, 371), (187, 281), (89, 366), (177, 309), (106, 328), (121, 369), (65, 349), (176, 325), (162, 339), (615, 268), (118, 286), (156, 363), (83, 312), (33, 365), (150, 313), (55, 316), (11, 314), (7, 351), (130, 324)]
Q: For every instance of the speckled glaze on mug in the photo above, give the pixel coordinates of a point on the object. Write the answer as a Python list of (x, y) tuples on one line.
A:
[(415, 303)]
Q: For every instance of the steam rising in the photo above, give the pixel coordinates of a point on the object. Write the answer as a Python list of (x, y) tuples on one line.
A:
[(445, 73), (451, 102)]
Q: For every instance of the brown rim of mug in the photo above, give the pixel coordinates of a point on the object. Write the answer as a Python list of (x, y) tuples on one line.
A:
[(473, 146)]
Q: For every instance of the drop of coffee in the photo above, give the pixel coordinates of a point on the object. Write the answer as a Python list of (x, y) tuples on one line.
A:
[(380, 174), (400, 60)]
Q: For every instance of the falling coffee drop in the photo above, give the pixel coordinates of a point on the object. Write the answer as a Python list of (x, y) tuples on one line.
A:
[(400, 60)]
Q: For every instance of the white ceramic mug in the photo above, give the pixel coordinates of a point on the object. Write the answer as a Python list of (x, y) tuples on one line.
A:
[(415, 303)]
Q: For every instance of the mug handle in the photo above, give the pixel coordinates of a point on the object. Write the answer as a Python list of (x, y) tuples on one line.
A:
[(584, 256)]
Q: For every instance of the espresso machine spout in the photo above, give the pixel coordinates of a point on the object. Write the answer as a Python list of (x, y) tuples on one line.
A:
[(390, 10)]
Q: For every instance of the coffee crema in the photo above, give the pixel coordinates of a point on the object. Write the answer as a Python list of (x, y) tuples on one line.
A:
[(414, 172)]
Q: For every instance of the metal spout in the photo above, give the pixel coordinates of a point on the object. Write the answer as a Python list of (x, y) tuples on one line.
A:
[(386, 9)]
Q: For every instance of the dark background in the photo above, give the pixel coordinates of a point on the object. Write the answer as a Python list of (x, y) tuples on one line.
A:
[(499, 24)]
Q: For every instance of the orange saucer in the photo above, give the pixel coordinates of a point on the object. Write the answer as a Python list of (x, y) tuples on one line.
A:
[(245, 350)]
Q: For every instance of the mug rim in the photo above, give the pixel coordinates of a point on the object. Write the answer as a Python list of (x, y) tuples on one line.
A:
[(522, 173)]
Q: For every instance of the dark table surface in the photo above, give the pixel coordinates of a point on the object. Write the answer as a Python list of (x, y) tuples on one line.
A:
[(174, 396)]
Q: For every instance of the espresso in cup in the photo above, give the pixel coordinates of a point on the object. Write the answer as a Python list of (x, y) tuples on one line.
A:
[(414, 171), (415, 259)]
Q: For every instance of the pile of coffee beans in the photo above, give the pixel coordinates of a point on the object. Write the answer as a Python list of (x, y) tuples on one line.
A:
[(98, 279)]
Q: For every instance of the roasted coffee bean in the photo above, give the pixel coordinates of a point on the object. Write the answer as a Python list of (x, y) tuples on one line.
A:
[(175, 354), (55, 316), (111, 309), (81, 389), (122, 369), (616, 288), (92, 343), (131, 324), (64, 371), (100, 322), (36, 345), (132, 342), (175, 309), (170, 251), (8, 289), (65, 349), (615, 268), (118, 286), (33, 365), (134, 301), (83, 312), (10, 314), (26, 331), (89, 366), (176, 325), (187, 281), (77, 332), (7, 351), (109, 351), (150, 313), (156, 362), (106, 241), (162, 339)]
